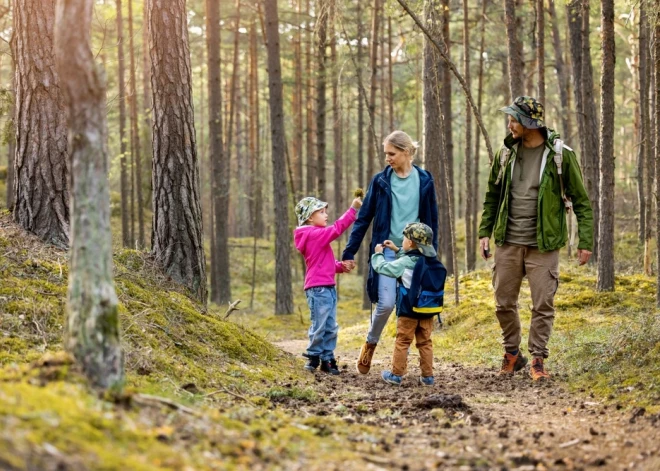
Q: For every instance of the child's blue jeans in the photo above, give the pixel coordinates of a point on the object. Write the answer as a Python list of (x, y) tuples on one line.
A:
[(322, 302)]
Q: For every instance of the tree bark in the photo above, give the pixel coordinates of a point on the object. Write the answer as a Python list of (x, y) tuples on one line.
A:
[(574, 15), (11, 145), (540, 49), (477, 141), (560, 67), (135, 130), (645, 157), (298, 107), (337, 118), (93, 308), (373, 57), (283, 296), (321, 79), (446, 209), (220, 277), (309, 97), (657, 148), (470, 236), (176, 237), (605, 281), (126, 235), (390, 81), (360, 110), (592, 146), (41, 181), (515, 57)]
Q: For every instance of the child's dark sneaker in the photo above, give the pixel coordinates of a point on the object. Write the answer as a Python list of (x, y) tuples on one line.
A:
[(537, 371), (330, 367), (512, 363), (313, 362), (427, 380), (391, 378)]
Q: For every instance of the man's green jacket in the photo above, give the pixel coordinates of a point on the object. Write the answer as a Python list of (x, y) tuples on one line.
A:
[(551, 230)]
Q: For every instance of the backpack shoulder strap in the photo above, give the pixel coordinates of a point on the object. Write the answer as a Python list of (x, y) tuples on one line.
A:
[(416, 283), (559, 160)]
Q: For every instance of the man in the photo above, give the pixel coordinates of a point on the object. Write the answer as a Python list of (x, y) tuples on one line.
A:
[(534, 180)]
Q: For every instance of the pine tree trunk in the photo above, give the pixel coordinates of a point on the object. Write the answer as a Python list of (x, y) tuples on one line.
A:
[(574, 15), (515, 58), (657, 148), (297, 107), (480, 92), (93, 308), (644, 164), (123, 178), (135, 131), (176, 238), (446, 209), (606, 264), (540, 50), (255, 113), (321, 43), (592, 146), (470, 236), (373, 57), (283, 296), (218, 160), (11, 146), (309, 97), (360, 110), (41, 180), (562, 76), (337, 118), (390, 81)]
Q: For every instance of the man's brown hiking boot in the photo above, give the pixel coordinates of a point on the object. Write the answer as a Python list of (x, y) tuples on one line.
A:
[(512, 363), (537, 371), (364, 360)]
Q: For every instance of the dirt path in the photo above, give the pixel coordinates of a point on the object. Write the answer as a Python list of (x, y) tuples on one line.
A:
[(504, 423)]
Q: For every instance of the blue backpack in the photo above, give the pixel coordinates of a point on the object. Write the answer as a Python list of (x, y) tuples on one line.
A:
[(425, 297)]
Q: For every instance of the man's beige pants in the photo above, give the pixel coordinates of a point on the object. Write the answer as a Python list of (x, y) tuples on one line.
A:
[(407, 330), (512, 263)]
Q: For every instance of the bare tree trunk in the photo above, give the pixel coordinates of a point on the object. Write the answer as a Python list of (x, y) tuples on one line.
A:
[(337, 119), (373, 57), (515, 58), (606, 202), (283, 296), (390, 84), (562, 76), (644, 164), (126, 235), (573, 13), (321, 78), (657, 148), (446, 209), (176, 237), (135, 131), (477, 141), (540, 49), (309, 96), (11, 144), (297, 107), (360, 111), (93, 308), (592, 146), (218, 159), (470, 236), (41, 180)]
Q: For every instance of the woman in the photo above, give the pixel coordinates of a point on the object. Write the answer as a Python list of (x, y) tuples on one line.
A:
[(400, 194)]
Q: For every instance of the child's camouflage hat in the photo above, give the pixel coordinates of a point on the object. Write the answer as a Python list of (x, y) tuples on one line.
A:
[(422, 235), (527, 111), (306, 207)]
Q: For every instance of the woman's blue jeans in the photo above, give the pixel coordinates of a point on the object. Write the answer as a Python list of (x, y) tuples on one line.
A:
[(386, 302)]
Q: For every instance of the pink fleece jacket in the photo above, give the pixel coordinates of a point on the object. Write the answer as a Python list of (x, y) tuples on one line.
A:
[(314, 243)]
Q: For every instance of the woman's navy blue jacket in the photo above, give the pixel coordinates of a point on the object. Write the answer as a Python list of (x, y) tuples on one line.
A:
[(377, 206)]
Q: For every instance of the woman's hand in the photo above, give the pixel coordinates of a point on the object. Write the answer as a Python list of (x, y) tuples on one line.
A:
[(379, 248), (390, 245)]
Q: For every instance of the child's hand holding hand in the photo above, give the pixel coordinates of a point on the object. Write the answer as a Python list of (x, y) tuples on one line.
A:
[(348, 265), (390, 245), (379, 248), (357, 203)]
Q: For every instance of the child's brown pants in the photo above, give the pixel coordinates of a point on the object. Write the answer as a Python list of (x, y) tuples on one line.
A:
[(408, 329)]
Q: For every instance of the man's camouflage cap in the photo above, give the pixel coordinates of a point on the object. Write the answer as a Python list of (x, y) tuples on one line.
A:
[(306, 207), (527, 111), (422, 235)]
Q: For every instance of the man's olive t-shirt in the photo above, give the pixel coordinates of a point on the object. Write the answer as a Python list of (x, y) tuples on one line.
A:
[(523, 203)]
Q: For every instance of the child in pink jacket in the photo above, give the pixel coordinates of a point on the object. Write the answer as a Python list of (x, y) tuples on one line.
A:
[(312, 238)]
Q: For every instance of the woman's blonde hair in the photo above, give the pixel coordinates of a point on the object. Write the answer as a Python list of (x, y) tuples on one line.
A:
[(402, 141)]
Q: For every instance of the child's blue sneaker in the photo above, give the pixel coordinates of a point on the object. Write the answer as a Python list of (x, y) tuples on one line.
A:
[(427, 380), (391, 378)]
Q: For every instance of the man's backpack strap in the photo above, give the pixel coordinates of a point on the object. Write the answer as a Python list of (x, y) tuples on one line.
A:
[(559, 160)]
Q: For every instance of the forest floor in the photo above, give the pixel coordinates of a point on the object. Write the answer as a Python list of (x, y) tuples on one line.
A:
[(207, 393)]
